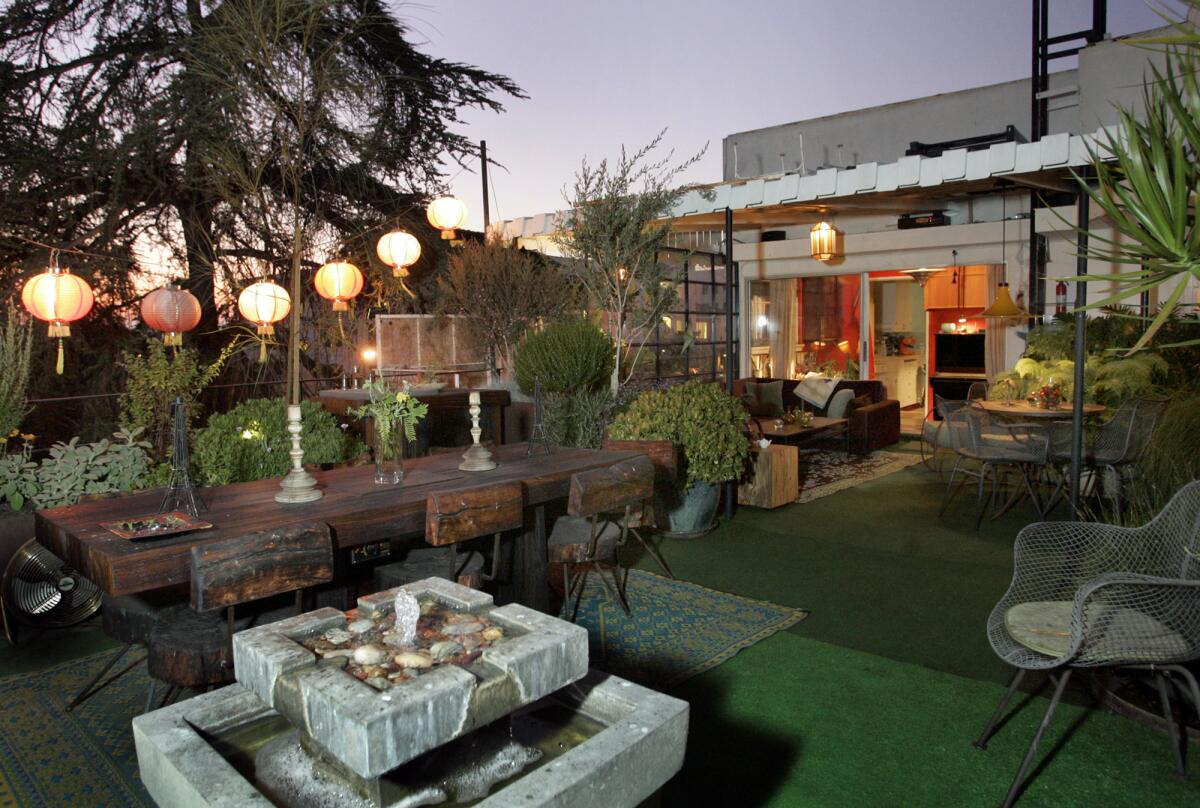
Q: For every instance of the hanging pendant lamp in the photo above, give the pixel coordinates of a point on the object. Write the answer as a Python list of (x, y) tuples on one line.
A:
[(172, 311), (1002, 306), (823, 241), (447, 213)]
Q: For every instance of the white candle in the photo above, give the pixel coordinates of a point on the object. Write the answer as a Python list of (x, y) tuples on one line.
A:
[(473, 399)]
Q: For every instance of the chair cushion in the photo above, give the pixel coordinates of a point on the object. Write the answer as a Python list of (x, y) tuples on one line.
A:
[(764, 399), (1045, 627), (839, 403)]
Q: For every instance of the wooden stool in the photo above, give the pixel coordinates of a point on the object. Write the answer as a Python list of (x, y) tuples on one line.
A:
[(583, 540), (192, 648), (459, 516)]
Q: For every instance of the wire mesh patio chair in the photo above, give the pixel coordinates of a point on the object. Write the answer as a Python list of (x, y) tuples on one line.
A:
[(995, 446), (1117, 448), (978, 391), (1091, 595), (934, 434)]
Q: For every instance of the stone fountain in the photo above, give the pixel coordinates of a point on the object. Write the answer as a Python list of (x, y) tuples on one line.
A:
[(522, 723)]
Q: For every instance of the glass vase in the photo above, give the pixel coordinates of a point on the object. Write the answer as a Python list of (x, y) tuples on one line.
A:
[(389, 457)]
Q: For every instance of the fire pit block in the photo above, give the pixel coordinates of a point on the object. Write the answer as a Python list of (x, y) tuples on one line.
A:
[(372, 732)]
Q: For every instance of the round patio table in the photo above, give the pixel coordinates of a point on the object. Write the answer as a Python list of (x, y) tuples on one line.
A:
[(1023, 409)]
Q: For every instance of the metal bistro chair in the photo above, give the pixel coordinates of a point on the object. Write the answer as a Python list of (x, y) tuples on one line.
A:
[(588, 536), (1091, 595), (935, 434), (1024, 448), (1117, 448), (192, 648)]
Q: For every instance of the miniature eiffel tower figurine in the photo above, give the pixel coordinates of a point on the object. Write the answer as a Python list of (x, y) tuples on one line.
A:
[(181, 491), (538, 432), (477, 457)]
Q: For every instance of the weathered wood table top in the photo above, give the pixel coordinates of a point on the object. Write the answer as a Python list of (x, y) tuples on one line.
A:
[(356, 509)]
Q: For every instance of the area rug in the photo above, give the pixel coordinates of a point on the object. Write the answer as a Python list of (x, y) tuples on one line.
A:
[(824, 472), (677, 630), (52, 758)]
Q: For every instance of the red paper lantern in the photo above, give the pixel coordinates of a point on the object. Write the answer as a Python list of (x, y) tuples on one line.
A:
[(339, 281), (172, 311), (59, 298)]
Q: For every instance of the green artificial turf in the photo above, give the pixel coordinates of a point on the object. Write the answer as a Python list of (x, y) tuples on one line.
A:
[(797, 722)]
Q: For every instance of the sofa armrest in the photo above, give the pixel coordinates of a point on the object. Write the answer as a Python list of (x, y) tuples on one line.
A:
[(874, 426)]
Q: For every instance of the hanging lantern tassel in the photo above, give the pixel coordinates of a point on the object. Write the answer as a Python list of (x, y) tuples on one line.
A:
[(57, 332)]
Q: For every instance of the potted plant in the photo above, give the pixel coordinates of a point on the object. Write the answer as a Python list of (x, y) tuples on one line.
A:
[(708, 426), (396, 415)]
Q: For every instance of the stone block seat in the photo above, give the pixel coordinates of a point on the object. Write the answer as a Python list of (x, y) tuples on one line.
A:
[(872, 424)]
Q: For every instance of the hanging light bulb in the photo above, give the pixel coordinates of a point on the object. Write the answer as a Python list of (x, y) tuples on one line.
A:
[(59, 298)]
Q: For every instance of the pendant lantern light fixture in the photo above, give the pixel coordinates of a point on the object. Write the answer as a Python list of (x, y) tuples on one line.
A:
[(59, 298), (447, 213), (823, 241), (264, 303), (399, 250), (1002, 306), (172, 311), (339, 281)]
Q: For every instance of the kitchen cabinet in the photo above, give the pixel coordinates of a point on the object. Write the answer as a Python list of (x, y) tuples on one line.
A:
[(942, 292), (900, 375), (893, 303)]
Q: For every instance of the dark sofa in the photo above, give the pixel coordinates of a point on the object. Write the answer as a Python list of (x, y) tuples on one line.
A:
[(871, 427)]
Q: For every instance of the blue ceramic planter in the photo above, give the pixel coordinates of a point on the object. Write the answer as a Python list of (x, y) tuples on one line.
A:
[(695, 514)]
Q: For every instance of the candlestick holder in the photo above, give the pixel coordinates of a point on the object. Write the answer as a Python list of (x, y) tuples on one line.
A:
[(477, 457)]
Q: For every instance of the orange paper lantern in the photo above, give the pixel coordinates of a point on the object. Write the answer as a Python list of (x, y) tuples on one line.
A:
[(447, 213), (59, 298), (339, 281), (172, 311)]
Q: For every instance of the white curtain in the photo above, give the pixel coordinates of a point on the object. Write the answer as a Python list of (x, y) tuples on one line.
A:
[(993, 341), (783, 328)]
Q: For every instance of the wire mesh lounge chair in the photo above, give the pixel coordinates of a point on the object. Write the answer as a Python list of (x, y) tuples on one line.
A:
[(934, 434), (1090, 595)]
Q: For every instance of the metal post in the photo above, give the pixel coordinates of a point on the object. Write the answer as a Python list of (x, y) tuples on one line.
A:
[(1082, 206), (730, 487), (483, 170)]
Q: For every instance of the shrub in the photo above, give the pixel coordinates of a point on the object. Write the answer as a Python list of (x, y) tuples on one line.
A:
[(250, 442), (578, 418), (16, 341), (698, 416), (72, 470), (567, 355), (153, 378), (1172, 460)]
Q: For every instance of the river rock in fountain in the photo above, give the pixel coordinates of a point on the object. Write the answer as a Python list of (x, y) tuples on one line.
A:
[(337, 636), (370, 654), (413, 659), (360, 626), (493, 633), (455, 629), (445, 648)]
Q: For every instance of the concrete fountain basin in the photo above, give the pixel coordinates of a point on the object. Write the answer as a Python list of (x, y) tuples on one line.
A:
[(372, 732)]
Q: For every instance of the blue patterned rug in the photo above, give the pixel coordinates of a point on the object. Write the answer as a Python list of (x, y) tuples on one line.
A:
[(52, 758), (677, 630)]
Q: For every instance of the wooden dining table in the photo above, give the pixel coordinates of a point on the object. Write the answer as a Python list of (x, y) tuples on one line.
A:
[(358, 511)]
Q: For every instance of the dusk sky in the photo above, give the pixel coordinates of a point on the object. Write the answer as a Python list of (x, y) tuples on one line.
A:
[(604, 74)]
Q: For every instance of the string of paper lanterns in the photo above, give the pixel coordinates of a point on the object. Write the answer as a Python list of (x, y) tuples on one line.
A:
[(339, 281), (58, 298), (447, 213)]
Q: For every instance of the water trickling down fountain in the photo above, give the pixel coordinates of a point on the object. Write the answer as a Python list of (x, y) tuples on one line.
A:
[(456, 702)]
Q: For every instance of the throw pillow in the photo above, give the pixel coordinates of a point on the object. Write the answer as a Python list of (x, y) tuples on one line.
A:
[(858, 402), (838, 404), (767, 399)]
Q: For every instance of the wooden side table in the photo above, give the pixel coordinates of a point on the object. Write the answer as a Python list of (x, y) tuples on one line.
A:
[(774, 477)]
